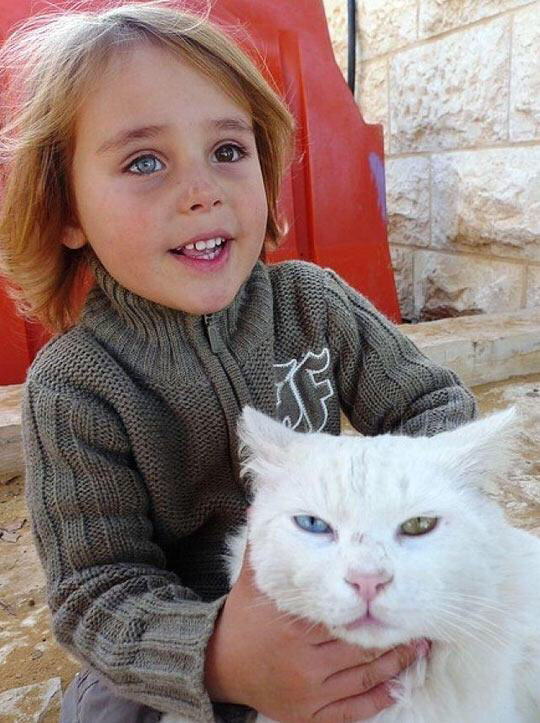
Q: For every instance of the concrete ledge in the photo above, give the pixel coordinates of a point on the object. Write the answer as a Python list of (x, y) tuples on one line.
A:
[(484, 348), (481, 349), (11, 459)]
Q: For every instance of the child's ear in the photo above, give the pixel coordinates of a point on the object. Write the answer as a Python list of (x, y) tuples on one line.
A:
[(73, 237)]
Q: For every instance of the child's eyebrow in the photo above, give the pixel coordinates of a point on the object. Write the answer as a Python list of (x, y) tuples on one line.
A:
[(151, 131)]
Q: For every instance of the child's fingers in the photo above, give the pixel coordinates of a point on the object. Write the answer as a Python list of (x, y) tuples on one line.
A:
[(362, 678), (356, 708), (340, 655)]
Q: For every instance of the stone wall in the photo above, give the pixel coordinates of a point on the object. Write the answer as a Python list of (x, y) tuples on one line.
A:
[(456, 85)]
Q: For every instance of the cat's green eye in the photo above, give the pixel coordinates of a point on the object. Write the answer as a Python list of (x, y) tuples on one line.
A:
[(418, 525)]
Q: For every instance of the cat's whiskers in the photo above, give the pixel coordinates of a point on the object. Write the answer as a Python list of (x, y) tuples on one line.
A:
[(466, 655), (487, 639), (473, 616), (483, 600)]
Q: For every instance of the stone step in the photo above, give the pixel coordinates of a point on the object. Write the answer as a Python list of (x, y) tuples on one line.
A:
[(480, 349), (11, 461), (484, 348)]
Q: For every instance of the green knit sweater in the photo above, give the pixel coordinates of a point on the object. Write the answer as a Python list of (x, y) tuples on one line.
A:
[(129, 427)]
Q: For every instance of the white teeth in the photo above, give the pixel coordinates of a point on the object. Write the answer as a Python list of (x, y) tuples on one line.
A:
[(210, 255), (209, 244)]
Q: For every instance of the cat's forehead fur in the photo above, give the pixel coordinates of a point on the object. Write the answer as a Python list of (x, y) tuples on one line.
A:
[(358, 478), (361, 477)]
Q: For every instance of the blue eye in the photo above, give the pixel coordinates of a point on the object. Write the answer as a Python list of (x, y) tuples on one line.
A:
[(145, 165), (312, 524), (230, 153)]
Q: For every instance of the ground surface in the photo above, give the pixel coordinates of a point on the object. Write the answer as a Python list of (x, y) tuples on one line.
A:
[(28, 653)]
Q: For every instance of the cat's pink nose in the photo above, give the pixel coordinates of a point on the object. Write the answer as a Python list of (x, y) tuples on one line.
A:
[(368, 585)]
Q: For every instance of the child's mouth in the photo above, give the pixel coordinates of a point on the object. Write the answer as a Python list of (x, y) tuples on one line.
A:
[(203, 250), (204, 255)]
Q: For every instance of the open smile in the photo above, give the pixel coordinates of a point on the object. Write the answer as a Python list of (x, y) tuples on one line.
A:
[(207, 254)]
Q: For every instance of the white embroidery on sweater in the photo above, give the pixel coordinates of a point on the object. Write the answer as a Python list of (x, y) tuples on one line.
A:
[(301, 379)]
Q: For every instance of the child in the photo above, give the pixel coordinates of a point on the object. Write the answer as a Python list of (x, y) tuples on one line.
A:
[(147, 148)]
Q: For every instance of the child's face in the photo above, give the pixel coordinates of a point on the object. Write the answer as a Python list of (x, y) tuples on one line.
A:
[(141, 202)]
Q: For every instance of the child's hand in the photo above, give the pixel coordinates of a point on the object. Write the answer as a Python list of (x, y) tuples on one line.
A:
[(289, 670)]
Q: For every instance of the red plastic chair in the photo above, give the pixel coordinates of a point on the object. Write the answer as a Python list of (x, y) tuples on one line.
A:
[(334, 196)]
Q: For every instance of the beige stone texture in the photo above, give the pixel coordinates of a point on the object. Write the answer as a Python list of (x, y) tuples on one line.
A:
[(38, 703), (336, 18), (385, 26), (402, 265), (487, 201), (436, 16), (10, 432), (448, 285), (482, 349), (407, 200), (525, 75), (372, 94), (533, 287), (520, 495), (452, 92)]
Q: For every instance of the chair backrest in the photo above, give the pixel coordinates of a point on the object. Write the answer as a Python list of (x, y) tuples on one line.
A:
[(333, 196)]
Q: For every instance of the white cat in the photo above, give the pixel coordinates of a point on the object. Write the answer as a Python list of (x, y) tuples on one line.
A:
[(392, 538)]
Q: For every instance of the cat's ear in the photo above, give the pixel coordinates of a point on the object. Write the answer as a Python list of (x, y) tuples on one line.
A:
[(484, 451), (263, 444)]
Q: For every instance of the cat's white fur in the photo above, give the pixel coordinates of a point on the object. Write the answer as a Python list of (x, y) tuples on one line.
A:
[(471, 585)]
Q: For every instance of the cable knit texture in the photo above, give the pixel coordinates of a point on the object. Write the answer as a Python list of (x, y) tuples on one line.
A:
[(129, 426)]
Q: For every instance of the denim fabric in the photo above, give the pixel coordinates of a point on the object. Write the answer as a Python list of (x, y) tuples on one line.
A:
[(88, 700)]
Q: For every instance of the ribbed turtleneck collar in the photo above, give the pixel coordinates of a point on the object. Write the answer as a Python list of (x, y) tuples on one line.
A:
[(134, 325)]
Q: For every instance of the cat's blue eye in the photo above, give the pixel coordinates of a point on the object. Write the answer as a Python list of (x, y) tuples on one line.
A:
[(146, 165), (312, 524)]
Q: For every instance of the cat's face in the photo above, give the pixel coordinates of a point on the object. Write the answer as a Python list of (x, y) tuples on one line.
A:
[(382, 539)]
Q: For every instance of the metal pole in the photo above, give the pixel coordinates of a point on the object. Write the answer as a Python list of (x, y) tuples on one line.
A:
[(351, 60)]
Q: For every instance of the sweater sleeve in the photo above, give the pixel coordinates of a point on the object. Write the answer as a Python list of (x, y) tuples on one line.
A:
[(113, 602), (385, 383)]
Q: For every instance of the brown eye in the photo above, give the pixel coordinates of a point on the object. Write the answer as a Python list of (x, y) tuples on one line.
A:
[(230, 153), (418, 525)]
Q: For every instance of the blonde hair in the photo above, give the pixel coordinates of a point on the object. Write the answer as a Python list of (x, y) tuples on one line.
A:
[(49, 62)]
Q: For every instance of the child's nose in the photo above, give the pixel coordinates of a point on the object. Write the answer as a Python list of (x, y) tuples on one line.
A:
[(368, 584), (199, 194)]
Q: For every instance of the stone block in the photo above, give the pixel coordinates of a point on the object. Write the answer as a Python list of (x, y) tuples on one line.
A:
[(37, 703), (487, 201), (11, 456), (444, 95), (372, 94), (525, 75), (336, 18), (402, 264), (385, 26), (436, 16), (446, 285), (533, 287), (407, 200), (482, 348)]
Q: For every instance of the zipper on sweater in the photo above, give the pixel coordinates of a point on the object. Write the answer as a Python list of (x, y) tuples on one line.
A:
[(217, 345)]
